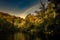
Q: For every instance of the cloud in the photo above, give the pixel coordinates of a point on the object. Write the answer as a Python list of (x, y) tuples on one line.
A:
[(32, 9), (29, 10)]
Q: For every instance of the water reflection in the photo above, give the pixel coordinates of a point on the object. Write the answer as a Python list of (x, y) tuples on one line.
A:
[(26, 36), (12, 36), (19, 36), (6, 36)]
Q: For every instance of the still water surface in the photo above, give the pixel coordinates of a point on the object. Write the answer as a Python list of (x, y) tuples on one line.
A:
[(13, 36)]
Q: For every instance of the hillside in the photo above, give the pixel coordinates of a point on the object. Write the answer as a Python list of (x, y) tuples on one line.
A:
[(44, 25), (34, 21), (8, 21)]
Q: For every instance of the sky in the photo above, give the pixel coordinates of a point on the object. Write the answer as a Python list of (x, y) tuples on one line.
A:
[(19, 8)]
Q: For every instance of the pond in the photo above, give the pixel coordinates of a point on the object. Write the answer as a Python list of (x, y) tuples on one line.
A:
[(18, 36), (14, 36)]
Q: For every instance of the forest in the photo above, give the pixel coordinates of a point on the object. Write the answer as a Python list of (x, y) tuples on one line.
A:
[(43, 26)]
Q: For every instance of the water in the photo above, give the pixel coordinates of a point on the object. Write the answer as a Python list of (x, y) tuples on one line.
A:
[(17, 36), (12, 36)]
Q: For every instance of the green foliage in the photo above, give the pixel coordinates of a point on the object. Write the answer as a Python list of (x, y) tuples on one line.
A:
[(7, 22), (46, 25), (41, 25)]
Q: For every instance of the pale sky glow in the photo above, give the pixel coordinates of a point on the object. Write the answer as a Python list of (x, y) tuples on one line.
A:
[(20, 8), (30, 10)]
